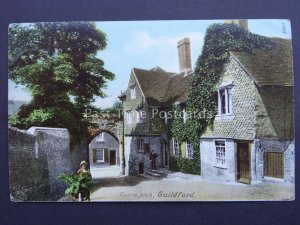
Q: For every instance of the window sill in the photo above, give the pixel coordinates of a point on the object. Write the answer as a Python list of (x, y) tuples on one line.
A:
[(274, 179), (224, 117), (221, 167)]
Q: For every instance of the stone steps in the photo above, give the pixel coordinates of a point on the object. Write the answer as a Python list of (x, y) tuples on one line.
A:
[(158, 173)]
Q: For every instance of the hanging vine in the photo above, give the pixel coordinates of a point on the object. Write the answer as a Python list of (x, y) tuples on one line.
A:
[(219, 40)]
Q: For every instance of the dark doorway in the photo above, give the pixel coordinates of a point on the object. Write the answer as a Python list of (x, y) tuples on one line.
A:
[(141, 168), (243, 163), (165, 146), (112, 157)]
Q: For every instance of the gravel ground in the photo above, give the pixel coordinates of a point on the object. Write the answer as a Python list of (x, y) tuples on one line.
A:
[(136, 188)]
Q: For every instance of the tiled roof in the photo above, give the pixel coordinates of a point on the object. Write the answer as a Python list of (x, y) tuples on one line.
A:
[(271, 67), (162, 88)]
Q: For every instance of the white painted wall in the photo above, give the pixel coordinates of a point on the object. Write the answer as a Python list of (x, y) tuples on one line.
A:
[(209, 169)]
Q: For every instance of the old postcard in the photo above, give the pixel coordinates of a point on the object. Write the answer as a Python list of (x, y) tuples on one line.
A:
[(193, 110)]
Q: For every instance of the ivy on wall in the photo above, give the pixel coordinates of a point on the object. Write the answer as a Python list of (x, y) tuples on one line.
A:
[(219, 40)]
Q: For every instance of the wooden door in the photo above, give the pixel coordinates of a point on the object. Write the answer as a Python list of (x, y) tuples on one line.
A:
[(273, 164), (243, 163), (112, 157)]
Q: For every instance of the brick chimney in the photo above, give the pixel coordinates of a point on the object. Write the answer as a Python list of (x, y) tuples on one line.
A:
[(184, 55), (242, 23)]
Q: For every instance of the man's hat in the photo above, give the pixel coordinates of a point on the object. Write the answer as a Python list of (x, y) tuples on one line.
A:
[(83, 162)]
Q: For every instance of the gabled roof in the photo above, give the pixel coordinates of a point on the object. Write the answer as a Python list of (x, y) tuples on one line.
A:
[(162, 88), (271, 67)]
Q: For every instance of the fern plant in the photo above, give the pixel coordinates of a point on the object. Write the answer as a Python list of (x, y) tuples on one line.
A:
[(77, 183)]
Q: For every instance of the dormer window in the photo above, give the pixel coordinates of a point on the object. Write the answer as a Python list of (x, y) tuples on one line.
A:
[(133, 92), (225, 100), (100, 137)]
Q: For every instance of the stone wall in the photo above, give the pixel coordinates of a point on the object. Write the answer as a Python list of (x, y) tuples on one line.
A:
[(28, 175), (133, 157), (36, 158), (288, 150), (239, 125), (141, 128), (151, 123)]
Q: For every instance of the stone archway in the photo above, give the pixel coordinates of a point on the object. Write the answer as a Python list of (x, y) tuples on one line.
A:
[(105, 149)]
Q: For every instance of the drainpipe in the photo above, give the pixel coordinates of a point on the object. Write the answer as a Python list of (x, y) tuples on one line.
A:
[(123, 139)]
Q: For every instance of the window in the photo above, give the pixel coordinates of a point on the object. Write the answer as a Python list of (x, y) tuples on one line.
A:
[(129, 117), (225, 100), (220, 153), (175, 147), (184, 115), (229, 102), (189, 150), (100, 137), (138, 116), (99, 155), (140, 145), (132, 92)]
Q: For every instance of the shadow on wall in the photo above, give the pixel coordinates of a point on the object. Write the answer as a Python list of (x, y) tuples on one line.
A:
[(277, 121)]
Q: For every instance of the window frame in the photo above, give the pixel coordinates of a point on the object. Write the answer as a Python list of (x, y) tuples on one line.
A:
[(189, 155), (141, 144), (174, 148), (228, 100), (99, 150), (217, 164), (133, 92), (139, 118), (129, 117)]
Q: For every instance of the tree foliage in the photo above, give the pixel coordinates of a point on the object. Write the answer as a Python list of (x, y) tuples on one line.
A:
[(58, 64), (219, 40)]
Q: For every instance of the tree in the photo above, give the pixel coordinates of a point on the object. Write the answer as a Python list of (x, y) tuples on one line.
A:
[(57, 63)]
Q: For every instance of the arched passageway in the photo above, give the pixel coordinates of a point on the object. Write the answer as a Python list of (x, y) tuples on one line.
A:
[(104, 155)]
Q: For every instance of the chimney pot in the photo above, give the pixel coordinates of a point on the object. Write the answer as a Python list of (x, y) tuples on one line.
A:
[(243, 23), (184, 54)]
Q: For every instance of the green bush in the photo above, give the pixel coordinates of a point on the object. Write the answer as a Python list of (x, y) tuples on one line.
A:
[(185, 165), (173, 163), (190, 166)]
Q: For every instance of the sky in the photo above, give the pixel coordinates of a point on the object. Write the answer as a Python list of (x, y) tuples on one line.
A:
[(147, 44)]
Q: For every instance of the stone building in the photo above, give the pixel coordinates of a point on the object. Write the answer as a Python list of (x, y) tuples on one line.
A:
[(105, 148), (104, 155), (252, 137), (147, 98)]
